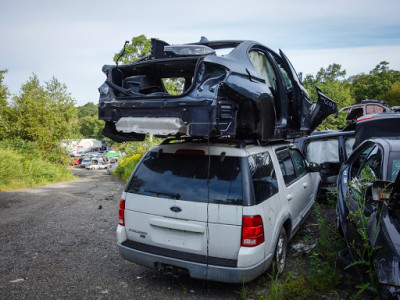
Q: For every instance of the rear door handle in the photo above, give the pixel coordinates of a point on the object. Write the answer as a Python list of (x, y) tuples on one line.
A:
[(305, 184), (289, 197)]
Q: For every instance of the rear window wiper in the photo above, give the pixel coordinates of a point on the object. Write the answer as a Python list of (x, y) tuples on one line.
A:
[(173, 196)]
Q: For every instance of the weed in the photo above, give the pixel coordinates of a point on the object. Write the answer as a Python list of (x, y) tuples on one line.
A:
[(244, 292), (293, 287), (331, 197), (361, 214), (315, 275)]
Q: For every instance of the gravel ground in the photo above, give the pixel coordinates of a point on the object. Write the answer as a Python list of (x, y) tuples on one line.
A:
[(58, 242)]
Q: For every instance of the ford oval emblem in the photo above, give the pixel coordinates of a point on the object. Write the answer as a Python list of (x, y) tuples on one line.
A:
[(175, 209)]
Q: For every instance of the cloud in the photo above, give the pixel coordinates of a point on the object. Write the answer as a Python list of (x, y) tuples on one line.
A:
[(71, 40)]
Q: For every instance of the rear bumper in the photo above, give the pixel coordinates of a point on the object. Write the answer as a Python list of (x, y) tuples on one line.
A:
[(164, 118), (197, 270)]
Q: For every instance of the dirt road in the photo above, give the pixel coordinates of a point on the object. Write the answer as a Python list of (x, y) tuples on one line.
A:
[(58, 242)]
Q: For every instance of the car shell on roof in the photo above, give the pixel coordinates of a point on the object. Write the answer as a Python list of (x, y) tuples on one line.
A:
[(251, 92)]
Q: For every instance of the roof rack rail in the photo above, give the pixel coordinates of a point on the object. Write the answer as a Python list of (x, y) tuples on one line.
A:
[(217, 140), (373, 101), (239, 143)]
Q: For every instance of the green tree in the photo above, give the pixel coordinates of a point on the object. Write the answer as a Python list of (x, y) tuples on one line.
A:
[(4, 93), (91, 127), (138, 48), (376, 84), (332, 83), (393, 95), (46, 115), (5, 110), (89, 109), (333, 72)]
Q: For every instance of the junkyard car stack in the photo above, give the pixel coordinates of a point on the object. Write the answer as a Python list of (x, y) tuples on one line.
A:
[(222, 198)]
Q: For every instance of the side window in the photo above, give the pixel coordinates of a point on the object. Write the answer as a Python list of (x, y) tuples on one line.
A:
[(263, 66), (287, 167), (358, 162), (263, 176), (355, 113), (349, 143), (394, 166), (374, 109), (323, 151), (299, 163), (346, 110), (371, 169), (285, 76)]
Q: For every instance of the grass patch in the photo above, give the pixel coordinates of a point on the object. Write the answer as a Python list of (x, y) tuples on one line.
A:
[(315, 273), (19, 171)]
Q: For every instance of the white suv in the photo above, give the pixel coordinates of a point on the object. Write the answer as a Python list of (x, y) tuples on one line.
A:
[(222, 211)]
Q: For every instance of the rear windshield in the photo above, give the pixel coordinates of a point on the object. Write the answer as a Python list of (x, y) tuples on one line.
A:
[(185, 177)]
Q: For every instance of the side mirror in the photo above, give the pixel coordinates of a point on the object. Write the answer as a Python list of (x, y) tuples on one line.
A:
[(313, 167)]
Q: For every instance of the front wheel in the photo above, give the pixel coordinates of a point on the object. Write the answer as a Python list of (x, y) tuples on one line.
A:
[(280, 251)]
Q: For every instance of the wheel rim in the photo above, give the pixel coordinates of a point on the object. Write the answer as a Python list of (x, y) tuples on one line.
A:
[(280, 255)]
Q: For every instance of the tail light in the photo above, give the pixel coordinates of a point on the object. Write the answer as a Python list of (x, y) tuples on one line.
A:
[(252, 231), (121, 214)]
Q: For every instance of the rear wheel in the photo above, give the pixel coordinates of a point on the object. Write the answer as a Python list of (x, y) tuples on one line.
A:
[(280, 251)]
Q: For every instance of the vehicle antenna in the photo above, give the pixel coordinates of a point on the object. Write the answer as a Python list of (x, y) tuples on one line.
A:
[(123, 51)]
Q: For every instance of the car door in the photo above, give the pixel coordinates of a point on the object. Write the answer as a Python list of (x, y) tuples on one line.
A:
[(301, 104), (298, 183), (306, 181), (365, 169), (266, 187)]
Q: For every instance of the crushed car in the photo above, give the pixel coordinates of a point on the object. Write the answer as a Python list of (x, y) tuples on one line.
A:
[(368, 211), (250, 92), (375, 125), (366, 107)]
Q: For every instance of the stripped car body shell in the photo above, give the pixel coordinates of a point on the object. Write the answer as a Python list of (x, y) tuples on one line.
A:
[(383, 226), (221, 95)]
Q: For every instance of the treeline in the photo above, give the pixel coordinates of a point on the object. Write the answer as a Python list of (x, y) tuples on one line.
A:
[(381, 83)]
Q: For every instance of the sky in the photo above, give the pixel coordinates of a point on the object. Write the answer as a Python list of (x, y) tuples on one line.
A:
[(71, 40)]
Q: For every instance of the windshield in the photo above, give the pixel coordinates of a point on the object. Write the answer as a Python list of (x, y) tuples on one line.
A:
[(185, 177)]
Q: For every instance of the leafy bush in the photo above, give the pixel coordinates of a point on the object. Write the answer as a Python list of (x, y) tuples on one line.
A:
[(126, 165), (134, 151)]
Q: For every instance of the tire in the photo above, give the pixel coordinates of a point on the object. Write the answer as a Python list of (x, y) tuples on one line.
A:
[(344, 259), (280, 251)]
